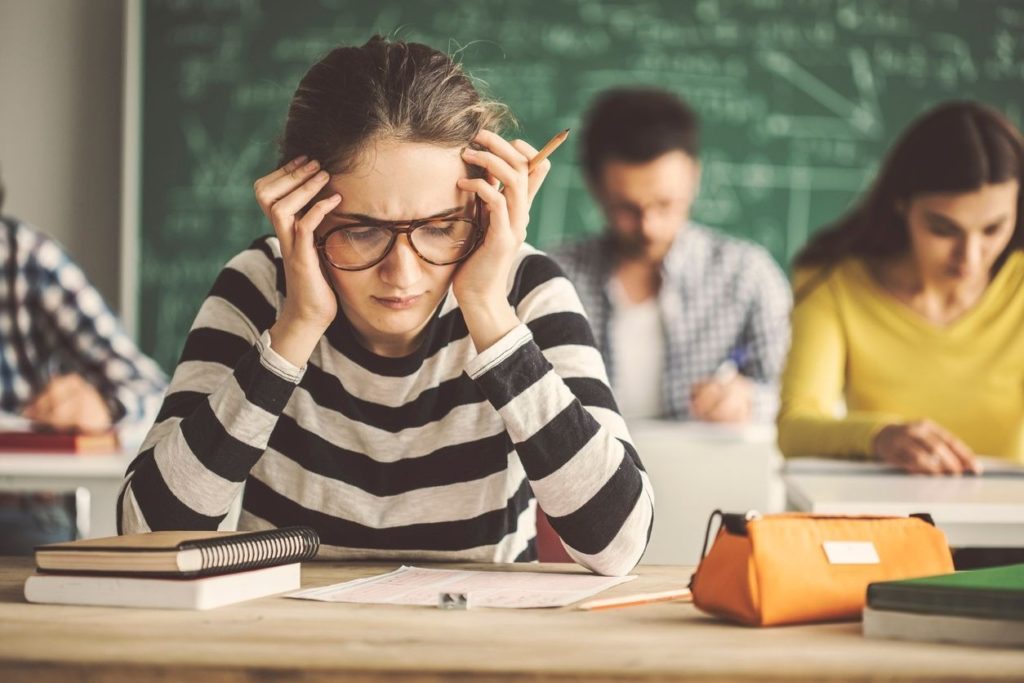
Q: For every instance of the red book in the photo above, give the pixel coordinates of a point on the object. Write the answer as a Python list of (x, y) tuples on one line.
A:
[(45, 441)]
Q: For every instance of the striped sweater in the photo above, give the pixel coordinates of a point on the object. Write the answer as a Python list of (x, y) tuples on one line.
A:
[(442, 454)]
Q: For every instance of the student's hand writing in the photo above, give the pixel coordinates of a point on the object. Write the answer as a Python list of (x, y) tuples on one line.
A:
[(70, 403), (311, 305), (923, 447), (712, 400), (481, 280)]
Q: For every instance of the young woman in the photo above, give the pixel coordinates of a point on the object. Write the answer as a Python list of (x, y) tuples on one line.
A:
[(911, 308), (395, 367)]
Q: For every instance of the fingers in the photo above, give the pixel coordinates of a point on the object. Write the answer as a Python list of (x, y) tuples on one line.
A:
[(272, 187), (493, 199), (69, 402), (503, 148), (704, 397), (734, 406), (283, 195), (963, 453), (504, 163), (537, 176), (925, 447), (284, 170), (307, 225)]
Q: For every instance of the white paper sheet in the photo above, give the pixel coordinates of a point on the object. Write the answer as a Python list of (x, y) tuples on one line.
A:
[(421, 586)]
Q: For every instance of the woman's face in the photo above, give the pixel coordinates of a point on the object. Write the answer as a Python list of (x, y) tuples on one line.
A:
[(957, 237), (390, 303)]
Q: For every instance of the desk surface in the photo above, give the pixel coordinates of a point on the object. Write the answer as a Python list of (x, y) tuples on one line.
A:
[(277, 638), (39, 465)]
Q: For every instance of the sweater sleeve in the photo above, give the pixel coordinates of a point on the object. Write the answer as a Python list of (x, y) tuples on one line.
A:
[(547, 381), (225, 399), (813, 384)]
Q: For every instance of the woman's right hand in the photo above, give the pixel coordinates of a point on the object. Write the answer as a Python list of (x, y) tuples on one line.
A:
[(923, 447), (310, 305)]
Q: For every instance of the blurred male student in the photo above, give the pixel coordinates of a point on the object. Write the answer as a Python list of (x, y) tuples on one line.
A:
[(65, 363), (693, 324)]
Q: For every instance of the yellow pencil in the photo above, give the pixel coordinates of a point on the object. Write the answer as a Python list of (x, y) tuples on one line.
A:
[(637, 599), (547, 149)]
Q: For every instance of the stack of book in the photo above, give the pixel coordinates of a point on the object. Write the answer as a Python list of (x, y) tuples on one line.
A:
[(172, 569), (979, 607)]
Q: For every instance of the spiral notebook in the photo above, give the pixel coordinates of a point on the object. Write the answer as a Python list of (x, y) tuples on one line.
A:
[(180, 554)]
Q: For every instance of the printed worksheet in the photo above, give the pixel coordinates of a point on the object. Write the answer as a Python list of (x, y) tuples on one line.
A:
[(420, 586)]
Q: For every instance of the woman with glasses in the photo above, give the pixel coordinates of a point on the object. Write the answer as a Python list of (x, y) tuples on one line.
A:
[(911, 308), (395, 367)]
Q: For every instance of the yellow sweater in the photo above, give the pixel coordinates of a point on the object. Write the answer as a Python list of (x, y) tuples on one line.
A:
[(854, 341)]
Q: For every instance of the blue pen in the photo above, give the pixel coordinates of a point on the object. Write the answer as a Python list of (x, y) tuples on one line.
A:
[(730, 367)]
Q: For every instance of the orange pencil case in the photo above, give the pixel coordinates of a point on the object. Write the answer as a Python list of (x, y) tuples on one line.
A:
[(795, 568)]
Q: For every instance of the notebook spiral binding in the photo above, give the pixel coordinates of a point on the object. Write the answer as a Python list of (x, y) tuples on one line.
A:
[(258, 549)]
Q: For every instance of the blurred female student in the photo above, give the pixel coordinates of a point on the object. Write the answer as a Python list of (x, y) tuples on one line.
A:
[(395, 367), (911, 308)]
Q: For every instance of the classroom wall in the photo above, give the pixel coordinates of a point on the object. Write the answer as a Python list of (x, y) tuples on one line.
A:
[(60, 125)]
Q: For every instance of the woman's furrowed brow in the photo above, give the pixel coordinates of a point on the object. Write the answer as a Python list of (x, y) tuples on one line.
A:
[(374, 219)]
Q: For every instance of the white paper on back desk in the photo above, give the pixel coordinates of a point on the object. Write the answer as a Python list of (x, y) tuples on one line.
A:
[(421, 586)]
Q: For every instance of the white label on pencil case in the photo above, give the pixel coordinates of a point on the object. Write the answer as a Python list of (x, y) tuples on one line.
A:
[(851, 552)]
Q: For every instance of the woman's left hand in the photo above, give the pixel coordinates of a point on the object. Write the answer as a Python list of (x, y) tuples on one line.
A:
[(480, 282)]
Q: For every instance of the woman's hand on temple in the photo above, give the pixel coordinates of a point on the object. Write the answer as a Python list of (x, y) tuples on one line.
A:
[(483, 278), (310, 305)]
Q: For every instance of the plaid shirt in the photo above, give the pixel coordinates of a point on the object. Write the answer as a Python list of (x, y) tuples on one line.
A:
[(53, 321), (719, 296)]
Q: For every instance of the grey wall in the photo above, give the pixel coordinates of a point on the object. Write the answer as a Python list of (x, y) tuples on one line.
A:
[(60, 125)]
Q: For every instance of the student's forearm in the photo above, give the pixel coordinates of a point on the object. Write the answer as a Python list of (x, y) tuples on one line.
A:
[(489, 323), (193, 464), (294, 339), (586, 479)]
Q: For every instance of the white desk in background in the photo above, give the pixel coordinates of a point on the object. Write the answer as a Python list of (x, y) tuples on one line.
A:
[(697, 468), (694, 469), (94, 478), (984, 511)]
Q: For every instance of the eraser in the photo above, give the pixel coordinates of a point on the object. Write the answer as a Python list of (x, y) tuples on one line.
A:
[(453, 600)]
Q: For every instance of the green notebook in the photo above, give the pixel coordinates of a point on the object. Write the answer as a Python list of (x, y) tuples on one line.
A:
[(993, 593)]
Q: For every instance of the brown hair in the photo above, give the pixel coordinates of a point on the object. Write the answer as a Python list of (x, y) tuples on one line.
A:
[(384, 89), (954, 147), (636, 125)]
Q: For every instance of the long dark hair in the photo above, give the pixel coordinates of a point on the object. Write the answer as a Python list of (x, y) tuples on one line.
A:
[(954, 147), (384, 89)]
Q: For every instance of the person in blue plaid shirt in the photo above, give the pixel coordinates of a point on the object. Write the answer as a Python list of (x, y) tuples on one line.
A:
[(65, 362), (693, 324)]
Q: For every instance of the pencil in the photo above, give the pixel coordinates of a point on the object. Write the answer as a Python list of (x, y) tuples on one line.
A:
[(637, 599), (547, 149)]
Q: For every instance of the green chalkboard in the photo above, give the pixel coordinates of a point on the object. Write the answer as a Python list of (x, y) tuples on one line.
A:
[(799, 98)]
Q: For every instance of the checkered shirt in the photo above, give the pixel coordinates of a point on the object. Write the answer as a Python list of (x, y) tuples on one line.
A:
[(719, 296), (53, 321)]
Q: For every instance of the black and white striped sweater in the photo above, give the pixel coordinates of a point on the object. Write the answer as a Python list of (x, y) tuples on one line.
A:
[(438, 455)]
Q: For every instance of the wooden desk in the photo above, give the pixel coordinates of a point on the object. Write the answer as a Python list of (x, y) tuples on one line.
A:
[(276, 638), (979, 512)]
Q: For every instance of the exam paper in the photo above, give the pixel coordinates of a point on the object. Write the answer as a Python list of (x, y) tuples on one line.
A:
[(420, 586)]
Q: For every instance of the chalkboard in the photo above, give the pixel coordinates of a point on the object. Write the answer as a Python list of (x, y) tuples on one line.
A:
[(799, 98)]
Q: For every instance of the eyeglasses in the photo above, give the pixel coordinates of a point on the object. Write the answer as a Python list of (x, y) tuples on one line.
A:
[(438, 241)]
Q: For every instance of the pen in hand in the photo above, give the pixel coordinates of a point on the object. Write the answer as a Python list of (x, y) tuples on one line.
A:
[(729, 368), (547, 149)]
